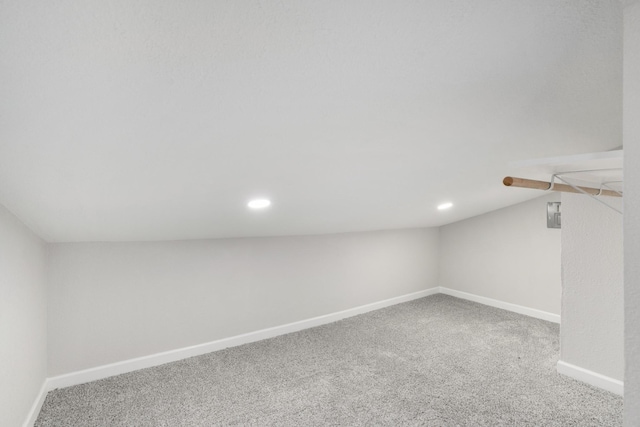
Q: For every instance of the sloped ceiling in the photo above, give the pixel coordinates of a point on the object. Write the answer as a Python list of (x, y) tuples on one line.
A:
[(151, 120)]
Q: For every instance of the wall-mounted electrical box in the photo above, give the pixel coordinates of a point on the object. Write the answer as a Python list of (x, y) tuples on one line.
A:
[(553, 215)]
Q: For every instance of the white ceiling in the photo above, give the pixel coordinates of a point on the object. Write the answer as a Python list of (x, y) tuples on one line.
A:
[(152, 120), (592, 169)]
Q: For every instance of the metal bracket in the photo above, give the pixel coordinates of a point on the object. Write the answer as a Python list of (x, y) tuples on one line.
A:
[(594, 197)]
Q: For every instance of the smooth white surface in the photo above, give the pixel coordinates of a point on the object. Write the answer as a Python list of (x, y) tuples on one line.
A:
[(114, 302), (23, 329), (591, 169), (527, 311), (591, 332), (508, 255), (130, 365), (153, 120), (632, 213), (599, 160), (590, 377)]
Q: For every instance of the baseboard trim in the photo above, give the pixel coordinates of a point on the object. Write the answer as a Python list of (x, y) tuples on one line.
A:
[(532, 312), (130, 365), (37, 405), (105, 371), (593, 378)]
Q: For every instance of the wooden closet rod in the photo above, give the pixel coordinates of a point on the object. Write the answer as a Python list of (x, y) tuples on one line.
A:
[(510, 181)]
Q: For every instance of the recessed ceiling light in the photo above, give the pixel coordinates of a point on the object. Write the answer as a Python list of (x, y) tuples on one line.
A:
[(259, 203), (445, 206)]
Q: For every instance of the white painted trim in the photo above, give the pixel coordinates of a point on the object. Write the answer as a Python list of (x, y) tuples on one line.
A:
[(37, 405), (105, 371), (593, 378), (532, 312)]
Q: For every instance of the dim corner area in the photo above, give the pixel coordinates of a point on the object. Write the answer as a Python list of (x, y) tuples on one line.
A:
[(320, 213)]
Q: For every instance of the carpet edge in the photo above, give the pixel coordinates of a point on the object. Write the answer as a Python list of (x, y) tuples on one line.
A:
[(130, 365), (592, 378), (527, 311)]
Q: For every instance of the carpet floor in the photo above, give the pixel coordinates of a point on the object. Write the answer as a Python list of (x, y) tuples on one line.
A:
[(436, 361)]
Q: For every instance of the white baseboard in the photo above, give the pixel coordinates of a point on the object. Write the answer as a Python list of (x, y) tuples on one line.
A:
[(593, 378), (532, 312), (105, 371), (37, 405)]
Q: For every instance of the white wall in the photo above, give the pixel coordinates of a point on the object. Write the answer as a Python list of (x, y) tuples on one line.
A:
[(115, 301), (23, 329), (509, 255), (632, 212), (592, 328)]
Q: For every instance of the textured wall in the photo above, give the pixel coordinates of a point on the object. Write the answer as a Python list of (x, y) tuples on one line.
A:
[(112, 302), (591, 332), (632, 212), (23, 330), (508, 255)]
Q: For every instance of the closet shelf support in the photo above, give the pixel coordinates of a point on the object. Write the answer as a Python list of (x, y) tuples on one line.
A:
[(510, 181)]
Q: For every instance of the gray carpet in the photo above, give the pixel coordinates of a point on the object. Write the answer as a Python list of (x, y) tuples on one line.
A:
[(436, 361)]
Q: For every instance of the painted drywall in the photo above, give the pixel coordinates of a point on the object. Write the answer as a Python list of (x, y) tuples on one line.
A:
[(110, 302), (508, 255), (631, 136), (591, 332), (350, 115), (23, 360)]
